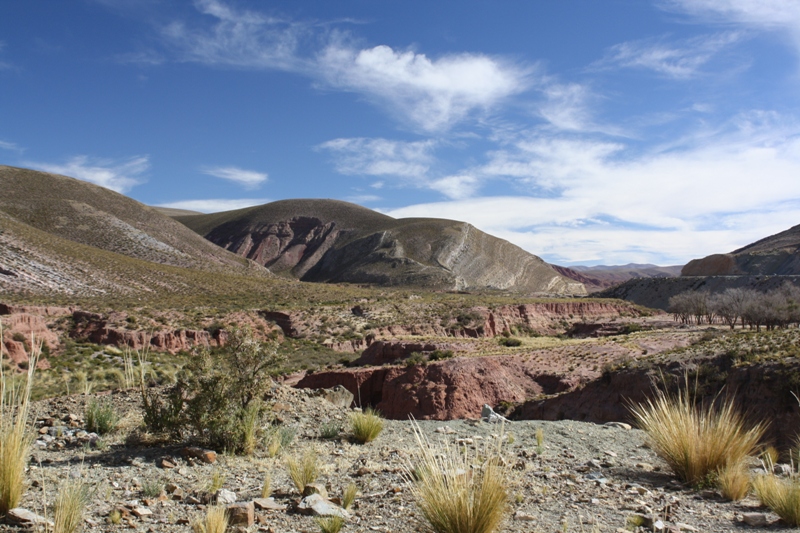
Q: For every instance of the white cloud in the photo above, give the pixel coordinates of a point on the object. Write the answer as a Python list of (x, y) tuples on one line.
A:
[(432, 94), (215, 205), (675, 60), (117, 175), (456, 187), (14, 147), (381, 157), (244, 39), (249, 178), (583, 199), (783, 15)]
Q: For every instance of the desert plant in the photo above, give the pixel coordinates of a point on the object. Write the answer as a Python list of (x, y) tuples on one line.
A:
[(151, 488), (457, 490), (734, 481), (15, 438), (277, 438), (783, 497), (214, 521), (129, 375), (303, 471), (330, 524), (266, 486), (349, 495), (696, 442), (539, 440), (217, 480), (115, 516), (250, 425), (330, 429), (366, 425), (509, 342), (71, 501), (101, 418), (770, 456)]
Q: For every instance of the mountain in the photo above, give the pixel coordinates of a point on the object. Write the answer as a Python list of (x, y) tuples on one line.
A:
[(777, 254), (62, 235), (335, 241), (599, 277)]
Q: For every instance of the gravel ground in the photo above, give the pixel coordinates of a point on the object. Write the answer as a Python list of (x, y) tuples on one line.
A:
[(586, 478)]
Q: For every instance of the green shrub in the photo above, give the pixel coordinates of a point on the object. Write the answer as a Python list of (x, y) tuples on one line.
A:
[(440, 355), (101, 418), (330, 429), (510, 341), (416, 358)]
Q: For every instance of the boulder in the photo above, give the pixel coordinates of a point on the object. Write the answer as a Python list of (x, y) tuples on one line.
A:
[(316, 505)]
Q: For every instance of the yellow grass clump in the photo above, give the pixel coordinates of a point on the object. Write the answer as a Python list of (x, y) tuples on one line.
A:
[(366, 426), (783, 497), (215, 521), (15, 438), (303, 471), (696, 442), (734, 481), (459, 491), (71, 501)]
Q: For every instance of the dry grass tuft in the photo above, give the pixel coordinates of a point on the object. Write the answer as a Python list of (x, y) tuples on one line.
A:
[(15, 438), (330, 524), (349, 495), (71, 501), (458, 491), (266, 487), (696, 442), (303, 471), (734, 481), (366, 426), (783, 497), (215, 521)]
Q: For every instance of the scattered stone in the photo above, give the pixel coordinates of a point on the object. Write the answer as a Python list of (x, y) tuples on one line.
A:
[(782, 469), (166, 463), (525, 517), (647, 467), (488, 415), (339, 396), (24, 517), (755, 519), (319, 506), (241, 514), (206, 456), (315, 488), (268, 504), (620, 425), (141, 512), (225, 496)]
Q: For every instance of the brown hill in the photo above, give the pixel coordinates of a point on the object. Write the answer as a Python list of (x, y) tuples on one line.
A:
[(334, 241), (777, 254), (600, 277)]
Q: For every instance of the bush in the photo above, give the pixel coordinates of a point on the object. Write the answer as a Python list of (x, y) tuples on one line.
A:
[(416, 358), (101, 418), (510, 341), (696, 442), (783, 497), (456, 491), (440, 355), (330, 429), (218, 397), (366, 426)]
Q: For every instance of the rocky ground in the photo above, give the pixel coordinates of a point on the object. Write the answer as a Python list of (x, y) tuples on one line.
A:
[(585, 477)]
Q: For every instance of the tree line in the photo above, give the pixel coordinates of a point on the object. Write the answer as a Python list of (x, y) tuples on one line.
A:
[(777, 308)]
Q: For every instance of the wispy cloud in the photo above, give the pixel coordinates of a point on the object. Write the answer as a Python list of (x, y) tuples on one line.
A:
[(4, 64), (250, 179), (679, 60), (433, 94), (238, 38), (14, 147), (363, 198), (381, 157), (117, 175), (783, 15), (215, 205)]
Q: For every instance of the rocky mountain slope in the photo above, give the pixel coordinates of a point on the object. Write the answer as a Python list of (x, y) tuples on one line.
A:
[(334, 241), (599, 277), (777, 254)]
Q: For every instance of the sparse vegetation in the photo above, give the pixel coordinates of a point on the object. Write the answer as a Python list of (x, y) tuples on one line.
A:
[(214, 521), (781, 496), (303, 471), (330, 429), (349, 495), (100, 417), (509, 342), (71, 501), (15, 437), (330, 524), (366, 425), (696, 442), (266, 486), (734, 481), (456, 491)]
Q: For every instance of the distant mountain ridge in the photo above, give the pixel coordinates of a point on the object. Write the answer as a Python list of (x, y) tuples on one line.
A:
[(777, 254), (600, 277), (335, 241)]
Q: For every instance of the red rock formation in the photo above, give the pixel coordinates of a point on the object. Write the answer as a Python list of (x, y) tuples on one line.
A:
[(25, 325), (452, 389), (382, 352), (8, 309)]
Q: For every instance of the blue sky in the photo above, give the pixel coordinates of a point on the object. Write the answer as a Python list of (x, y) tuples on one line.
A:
[(585, 131)]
